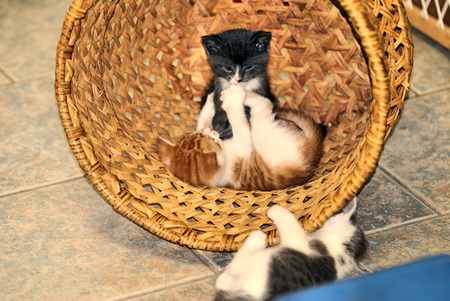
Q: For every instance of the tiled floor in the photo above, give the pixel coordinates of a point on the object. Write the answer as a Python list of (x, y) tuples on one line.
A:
[(60, 240)]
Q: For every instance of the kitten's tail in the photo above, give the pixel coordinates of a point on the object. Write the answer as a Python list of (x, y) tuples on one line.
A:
[(311, 136), (304, 123)]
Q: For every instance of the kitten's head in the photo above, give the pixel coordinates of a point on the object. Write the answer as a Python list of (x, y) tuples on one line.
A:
[(195, 157), (343, 225), (238, 56), (346, 215)]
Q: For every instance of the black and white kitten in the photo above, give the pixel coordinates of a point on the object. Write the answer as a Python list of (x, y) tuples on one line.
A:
[(237, 57), (300, 260)]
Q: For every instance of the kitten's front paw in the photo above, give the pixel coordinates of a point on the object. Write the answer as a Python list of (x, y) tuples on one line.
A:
[(277, 212), (256, 240), (233, 96), (255, 100)]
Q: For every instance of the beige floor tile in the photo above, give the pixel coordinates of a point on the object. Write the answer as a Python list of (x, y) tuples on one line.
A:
[(66, 242), (34, 150), (29, 34), (408, 243)]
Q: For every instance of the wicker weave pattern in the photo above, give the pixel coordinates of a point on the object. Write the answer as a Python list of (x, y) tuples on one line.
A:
[(128, 71)]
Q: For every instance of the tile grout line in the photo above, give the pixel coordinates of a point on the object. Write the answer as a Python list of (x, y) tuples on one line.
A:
[(43, 75), (9, 76), (363, 268), (149, 291), (39, 186), (409, 190), (206, 261), (429, 92), (15, 81), (403, 224)]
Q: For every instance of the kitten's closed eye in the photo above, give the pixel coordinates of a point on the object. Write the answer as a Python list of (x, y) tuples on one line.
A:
[(228, 69)]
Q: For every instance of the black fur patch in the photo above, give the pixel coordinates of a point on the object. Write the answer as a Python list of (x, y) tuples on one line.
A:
[(323, 130), (357, 246), (319, 246), (353, 219), (292, 270), (224, 296)]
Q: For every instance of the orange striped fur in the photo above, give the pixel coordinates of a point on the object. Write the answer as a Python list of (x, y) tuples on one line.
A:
[(194, 158)]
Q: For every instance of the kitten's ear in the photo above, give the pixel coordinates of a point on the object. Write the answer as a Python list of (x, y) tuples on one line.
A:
[(261, 39), (350, 208), (166, 150), (212, 44)]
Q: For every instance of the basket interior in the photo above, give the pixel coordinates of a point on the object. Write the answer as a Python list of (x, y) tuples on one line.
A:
[(140, 71)]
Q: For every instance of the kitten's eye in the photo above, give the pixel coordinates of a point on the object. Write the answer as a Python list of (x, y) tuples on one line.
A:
[(228, 68), (247, 68)]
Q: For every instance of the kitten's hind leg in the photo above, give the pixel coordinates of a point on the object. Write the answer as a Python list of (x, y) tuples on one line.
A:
[(277, 145), (289, 229), (258, 105), (255, 242)]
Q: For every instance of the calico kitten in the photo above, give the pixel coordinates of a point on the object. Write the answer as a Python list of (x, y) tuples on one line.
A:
[(237, 57), (300, 260), (281, 148)]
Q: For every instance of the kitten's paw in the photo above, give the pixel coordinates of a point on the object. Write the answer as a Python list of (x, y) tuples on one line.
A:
[(278, 212), (234, 91), (232, 96), (256, 240), (226, 281), (253, 99)]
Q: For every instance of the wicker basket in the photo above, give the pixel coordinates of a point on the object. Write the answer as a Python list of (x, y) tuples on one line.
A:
[(128, 71)]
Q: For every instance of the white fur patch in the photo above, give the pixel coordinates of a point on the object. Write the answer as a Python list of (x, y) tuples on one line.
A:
[(289, 229), (224, 83), (252, 85), (276, 145), (235, 79), (249, 269)]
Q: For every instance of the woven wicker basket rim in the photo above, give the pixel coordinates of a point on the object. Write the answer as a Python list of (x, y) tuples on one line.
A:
[(364, 24)]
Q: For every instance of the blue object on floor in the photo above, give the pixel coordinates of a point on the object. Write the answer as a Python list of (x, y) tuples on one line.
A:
[(425, 279)]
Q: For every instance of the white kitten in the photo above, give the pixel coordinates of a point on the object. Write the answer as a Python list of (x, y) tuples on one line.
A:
[(299, 261)]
